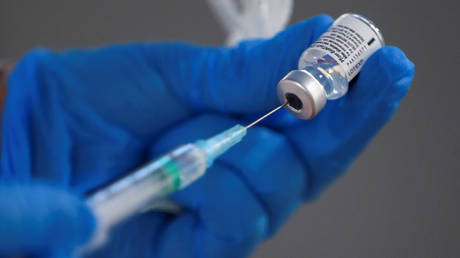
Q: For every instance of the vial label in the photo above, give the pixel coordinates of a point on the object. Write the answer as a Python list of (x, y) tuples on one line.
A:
[(349, 41)]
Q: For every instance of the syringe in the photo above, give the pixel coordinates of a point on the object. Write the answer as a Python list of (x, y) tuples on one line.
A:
[(159, 178)]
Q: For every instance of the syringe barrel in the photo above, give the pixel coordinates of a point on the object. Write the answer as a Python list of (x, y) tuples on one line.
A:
[(159, 178), (136, 190)]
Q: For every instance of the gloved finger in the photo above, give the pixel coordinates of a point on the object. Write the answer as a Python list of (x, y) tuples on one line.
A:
[(225, 219), (377, 92), (89, 120), (139, 236), (230, 220), (238, 80), (339, 133), (267, 163), (263, 160), (39, 220), (260, 161)]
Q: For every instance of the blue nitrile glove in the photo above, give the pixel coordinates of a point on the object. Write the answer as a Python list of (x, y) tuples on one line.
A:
[(39, 220), (80, 118)]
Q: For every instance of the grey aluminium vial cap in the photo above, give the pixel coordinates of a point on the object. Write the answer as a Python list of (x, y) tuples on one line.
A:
[(303, 93)]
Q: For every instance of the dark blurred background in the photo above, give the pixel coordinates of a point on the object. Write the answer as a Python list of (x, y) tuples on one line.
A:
[(400, 198)]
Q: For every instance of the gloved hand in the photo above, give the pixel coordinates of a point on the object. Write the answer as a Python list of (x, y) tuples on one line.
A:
[(38, 219), (80, 118)]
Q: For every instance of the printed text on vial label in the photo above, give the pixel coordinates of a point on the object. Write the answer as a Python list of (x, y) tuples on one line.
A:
[(346, 45)]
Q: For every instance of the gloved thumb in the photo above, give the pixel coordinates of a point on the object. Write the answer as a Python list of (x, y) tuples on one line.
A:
[(40, 220), (242, 79)]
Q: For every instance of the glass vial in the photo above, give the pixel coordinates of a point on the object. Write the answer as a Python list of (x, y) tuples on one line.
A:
[(328, 65)]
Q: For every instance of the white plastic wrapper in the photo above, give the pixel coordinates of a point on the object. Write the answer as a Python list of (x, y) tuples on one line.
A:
[(243, 19)]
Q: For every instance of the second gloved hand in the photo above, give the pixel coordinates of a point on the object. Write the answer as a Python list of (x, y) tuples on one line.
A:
[(80, 118)]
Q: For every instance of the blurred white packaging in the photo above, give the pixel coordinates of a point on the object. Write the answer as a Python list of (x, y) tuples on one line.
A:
[(243, 19)]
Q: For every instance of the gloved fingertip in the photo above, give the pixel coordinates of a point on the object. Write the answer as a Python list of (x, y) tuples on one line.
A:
[(87, 223), (394, 63), (31, 64), (385, 77), (69, 220), (397, 72), (39, 218)]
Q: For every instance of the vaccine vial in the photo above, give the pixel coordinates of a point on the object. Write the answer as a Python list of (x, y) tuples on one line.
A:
[(328, 65)]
